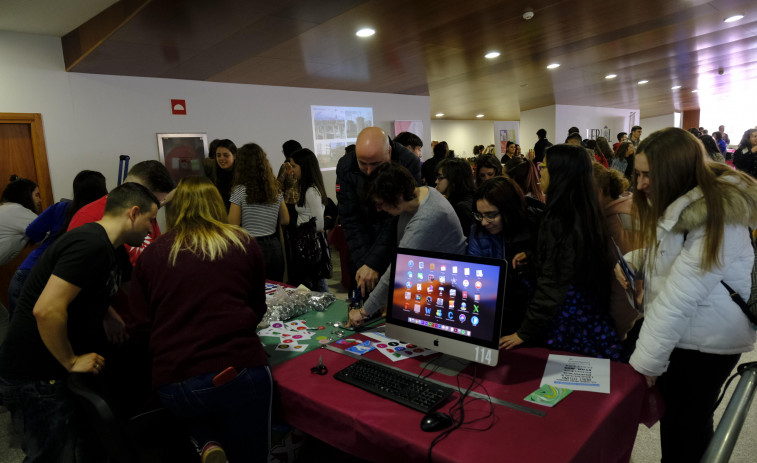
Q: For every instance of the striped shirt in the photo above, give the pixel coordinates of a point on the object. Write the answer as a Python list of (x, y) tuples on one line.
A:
[(258, 219)]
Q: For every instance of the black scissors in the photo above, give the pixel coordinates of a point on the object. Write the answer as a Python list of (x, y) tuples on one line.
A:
[(319, 369)]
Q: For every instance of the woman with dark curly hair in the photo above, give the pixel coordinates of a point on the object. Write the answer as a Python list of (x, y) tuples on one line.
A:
[(426, 221), (258, 206), (487, 166)]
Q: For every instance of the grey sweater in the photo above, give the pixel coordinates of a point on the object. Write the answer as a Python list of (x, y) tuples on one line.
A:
[(433, 227)]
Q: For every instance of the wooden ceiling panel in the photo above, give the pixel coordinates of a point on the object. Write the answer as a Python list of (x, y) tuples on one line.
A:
[(238, 47), (436, 48)]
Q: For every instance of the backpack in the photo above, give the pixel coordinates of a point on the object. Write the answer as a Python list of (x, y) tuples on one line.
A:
[(748, 307)]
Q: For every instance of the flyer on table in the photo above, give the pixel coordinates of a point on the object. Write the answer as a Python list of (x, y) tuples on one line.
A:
[(578, 373)]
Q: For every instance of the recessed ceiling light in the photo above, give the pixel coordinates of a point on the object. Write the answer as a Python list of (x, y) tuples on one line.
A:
[(642, 82), (439, 114), (695, 91), (479, 115), (492, 55), (365, 32), (733, 18), (675, 87), (553, 66), (611, 76)]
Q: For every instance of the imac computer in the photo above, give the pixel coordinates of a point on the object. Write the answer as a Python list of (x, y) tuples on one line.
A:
[(448, 303)]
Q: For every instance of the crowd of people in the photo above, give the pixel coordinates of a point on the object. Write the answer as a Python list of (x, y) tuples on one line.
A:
[(106, 282)]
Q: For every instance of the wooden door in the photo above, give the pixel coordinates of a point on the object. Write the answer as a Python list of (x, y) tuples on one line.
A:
[(22, 152)]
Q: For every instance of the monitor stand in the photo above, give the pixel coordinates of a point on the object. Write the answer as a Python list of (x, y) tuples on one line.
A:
[(446, 365)]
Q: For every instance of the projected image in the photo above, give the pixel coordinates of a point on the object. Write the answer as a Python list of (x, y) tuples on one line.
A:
[(335, 127)]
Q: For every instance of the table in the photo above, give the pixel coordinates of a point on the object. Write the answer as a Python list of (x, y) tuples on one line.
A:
[(585, 427), (336, 312)]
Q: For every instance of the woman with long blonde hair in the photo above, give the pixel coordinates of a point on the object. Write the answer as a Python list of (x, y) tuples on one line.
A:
[(257, 204), (693, 235), (201, 289)]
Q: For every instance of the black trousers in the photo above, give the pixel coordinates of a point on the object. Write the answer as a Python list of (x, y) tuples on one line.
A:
[(690, 389)]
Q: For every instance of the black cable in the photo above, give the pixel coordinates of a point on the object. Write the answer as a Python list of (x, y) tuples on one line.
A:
[(739, 371), (457, 412)]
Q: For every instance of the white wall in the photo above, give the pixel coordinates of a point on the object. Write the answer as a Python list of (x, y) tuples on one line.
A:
[(513, 135), (89, 120), (653, 124), (591, 117), (461, 136), (533, 120)]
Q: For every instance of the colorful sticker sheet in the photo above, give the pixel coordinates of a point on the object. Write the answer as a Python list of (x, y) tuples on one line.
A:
[(290, 334), (361, 348), (396, 350)]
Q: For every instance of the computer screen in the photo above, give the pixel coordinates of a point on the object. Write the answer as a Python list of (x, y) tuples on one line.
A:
[(446, 302)]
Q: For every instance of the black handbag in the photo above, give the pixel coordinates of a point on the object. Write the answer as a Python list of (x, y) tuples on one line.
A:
[(306, 247), (324, 267)]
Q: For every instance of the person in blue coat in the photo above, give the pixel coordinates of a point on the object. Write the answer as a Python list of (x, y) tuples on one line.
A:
[(507, 229)]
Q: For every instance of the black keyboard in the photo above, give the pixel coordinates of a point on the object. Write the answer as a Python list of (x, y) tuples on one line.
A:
[(403, 388)]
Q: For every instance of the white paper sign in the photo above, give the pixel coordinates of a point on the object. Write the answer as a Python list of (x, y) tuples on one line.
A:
[(578, 373)]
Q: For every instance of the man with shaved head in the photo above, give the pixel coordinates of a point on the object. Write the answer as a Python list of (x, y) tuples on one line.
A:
[(370, 234)]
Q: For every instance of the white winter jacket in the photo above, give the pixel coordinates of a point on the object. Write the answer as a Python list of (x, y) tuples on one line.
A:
[(685, 307)]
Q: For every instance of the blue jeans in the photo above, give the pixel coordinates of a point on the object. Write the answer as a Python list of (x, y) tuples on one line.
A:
[(236, 414), (15, 287), (48, 418)]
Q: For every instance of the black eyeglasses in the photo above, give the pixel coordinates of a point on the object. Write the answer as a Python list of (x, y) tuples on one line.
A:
[(489, 216)]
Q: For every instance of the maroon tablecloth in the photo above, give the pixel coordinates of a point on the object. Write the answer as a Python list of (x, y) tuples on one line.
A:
[(585, 427)]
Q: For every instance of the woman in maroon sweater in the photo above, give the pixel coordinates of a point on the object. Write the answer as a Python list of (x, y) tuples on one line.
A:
[(200, 288)]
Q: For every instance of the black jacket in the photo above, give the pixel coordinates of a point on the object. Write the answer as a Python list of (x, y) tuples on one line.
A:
[(744, 160), (556, 273), (429, 170), (371, 236), (540, 148)]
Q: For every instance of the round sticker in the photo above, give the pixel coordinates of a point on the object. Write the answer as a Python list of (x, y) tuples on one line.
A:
[(302, 328), (277, 325), (410, 346), (297, 336), (391, 351), (399, 348), (283, 346), (418, 350), (394, 343), (324, 341), (321, 327), (300, 346), (381, 346), (320, 338), (288, 340)]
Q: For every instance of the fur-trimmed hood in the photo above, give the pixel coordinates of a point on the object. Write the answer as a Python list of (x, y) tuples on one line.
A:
[(690, 210)]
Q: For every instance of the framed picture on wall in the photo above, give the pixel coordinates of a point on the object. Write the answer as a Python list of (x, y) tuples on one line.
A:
[(183, 153)]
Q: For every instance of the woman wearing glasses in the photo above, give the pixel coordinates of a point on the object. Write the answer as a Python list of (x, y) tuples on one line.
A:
[(569, 308), (507, 229)]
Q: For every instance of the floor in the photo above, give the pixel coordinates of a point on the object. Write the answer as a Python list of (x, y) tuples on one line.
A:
[(646, 449)]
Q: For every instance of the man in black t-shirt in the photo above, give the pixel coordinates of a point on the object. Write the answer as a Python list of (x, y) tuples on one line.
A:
[(58, 324)]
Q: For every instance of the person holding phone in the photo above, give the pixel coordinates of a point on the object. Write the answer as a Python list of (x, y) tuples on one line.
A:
[(200, 289)]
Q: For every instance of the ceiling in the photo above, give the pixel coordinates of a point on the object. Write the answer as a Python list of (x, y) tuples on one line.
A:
[(424, 47)]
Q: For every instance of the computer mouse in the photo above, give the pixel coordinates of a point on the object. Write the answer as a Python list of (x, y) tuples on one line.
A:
[(436, 421)]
